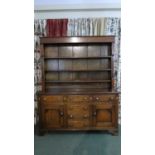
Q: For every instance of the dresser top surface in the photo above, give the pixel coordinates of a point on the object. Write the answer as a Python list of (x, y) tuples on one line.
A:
[(79, 39)]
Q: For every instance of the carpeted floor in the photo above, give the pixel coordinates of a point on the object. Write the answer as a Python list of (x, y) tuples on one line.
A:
[(77, 143)]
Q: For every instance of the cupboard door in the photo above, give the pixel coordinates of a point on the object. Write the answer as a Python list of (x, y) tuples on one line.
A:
[(104, 115), (53, 116)]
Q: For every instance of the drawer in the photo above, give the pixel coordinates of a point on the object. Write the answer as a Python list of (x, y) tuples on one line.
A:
[(77, 115), (79, 98), (52, 98), (76, 111), (78, 124), (104, 97), (104, 106), (81, 106)]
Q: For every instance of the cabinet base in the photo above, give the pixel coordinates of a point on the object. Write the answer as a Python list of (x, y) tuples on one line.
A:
[(113, 132)]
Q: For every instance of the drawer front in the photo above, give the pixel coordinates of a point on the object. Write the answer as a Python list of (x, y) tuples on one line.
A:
[(78, 111), (78, 115), (104, 98), (79, 98), (78, 124), (52, 99)]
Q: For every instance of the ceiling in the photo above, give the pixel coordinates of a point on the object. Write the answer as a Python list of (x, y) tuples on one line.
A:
[(61, 2)]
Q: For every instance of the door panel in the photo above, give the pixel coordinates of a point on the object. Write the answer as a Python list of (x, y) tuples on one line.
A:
[(103, 115), (53, 116)]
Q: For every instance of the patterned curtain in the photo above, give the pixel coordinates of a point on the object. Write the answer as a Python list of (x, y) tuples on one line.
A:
[(86, 27), (113, 27), (39, 30), (76, 27)]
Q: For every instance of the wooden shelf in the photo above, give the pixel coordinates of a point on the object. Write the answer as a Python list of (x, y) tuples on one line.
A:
[(75, 90), (70, 70), (79, 81), (105, 57), (76, 40), (75, 87)]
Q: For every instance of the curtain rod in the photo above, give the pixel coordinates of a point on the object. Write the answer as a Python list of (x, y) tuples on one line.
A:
[(73, 7)]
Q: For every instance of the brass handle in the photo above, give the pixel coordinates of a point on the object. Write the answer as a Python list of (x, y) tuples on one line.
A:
[(90, 98), (85, 108), (85, 116), (61, 113), (65, 98), (71, 116), (44, 98), (94, 114), (97, 98), (111, 98), (85, 98)]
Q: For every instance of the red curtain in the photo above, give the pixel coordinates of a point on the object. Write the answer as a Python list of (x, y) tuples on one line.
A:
[(57, 27)]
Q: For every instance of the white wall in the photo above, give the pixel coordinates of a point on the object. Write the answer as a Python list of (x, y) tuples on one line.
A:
[(53, 2), (76, 8)]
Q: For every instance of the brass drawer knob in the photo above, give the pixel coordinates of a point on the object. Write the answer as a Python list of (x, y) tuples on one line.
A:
[(85, 116), (65, 98), (97, 98), (94, 114), (71, 116), (61, 113), (44, 98), (85, 108), (85, 98), (90, 98), (111, 98)]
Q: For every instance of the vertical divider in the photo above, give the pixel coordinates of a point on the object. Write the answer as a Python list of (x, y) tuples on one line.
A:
[(43, 67), (87, 61), (100, 59), (58, 64), (72, 63), (111, 67)]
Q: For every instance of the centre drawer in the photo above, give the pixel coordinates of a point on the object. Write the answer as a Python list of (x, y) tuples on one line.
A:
[(78, 124), (79, 98), (78, 111)]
